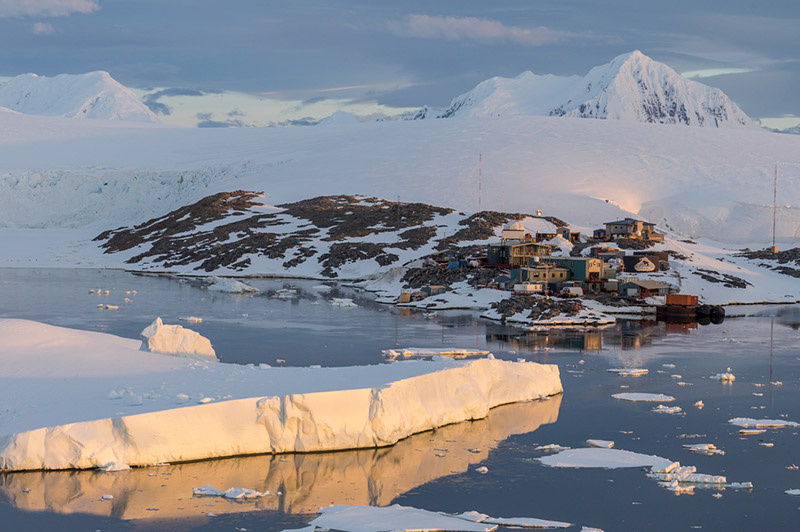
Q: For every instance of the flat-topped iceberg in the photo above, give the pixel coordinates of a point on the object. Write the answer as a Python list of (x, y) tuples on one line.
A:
[(63, 418)]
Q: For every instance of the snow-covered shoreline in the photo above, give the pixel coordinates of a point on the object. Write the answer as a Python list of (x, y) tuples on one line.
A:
[(67, 425)]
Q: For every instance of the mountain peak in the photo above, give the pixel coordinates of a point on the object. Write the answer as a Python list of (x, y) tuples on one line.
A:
[(630, 87), (91, 95)]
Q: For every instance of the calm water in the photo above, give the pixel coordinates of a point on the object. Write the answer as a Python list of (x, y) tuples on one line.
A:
[(308, 330)]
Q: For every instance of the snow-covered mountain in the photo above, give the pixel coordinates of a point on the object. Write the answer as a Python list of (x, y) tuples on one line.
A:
[(632, 87), (91, 95)]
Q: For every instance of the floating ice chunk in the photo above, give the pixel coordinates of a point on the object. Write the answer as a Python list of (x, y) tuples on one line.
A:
[(112, 307), (776, 383), (749, 432), (175, 340), (629, 372), (205, 400), (677, 377), (661, 409), (552, 447), (603, 458), (191, 319), (747, 422), (285, 293), (343, 302), (699, 405), (792, 492), (411, 352), (705, 448), (482, 470), (793, 467), (590, 529), (114, 466), (717, 495), (322, 288), (668, 366), (230, 493), (513, 522), (602, 444), (764, 444), (648, 397), (232, 286), (724, 377), (395, 517), (106, 497)]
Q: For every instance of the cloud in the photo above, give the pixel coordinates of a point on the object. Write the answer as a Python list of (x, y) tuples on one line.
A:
[(45, 8), (151, 100), (711, 72), (475, 29), (42, 28), (306, 121)]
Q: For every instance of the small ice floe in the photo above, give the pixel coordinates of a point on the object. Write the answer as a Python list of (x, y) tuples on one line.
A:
[(677, 377), (628, 372), (600, 444), (285, 293), (114, 466), (792, 492), (717, 495), (128, 300), (554, 447), (107, 292), (191, 319), (776, 383), (730, 340), (747, 423), (590, 529), (682, 383), (417, 352), (177, 341), (211, 514), (106, 497), (704, 448), (429, 315), (205, 400), (645, 397), (511, 522), (661, 409), (757, 394), (343, 302), (112, 307), (181, 398), (322, 288), (482, 470), (230, 493), (765, 444), (100, 305), (231, 286), (793, 467), (724, 377), (750, 432), (280, 361), (675, 475), (668, 366), (699, 405), (396, 517)]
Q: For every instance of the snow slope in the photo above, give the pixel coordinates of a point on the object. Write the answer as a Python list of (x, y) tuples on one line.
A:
[(75, 399), (696, 181), (91, 95), (632, 87)]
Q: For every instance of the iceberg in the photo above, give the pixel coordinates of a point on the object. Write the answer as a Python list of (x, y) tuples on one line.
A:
[(176, 340), (67, 426)]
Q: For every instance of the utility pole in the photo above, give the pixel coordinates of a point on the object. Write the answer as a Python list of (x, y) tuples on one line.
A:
[(480, 185)]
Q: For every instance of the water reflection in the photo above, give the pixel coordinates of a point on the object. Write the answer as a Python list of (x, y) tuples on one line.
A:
[(626, 334), (299, 483)]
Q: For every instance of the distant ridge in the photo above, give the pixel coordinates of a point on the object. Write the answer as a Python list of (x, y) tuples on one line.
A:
[(92, 95), (632, 87)]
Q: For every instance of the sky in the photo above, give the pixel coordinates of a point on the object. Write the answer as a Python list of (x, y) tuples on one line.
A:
[(263, 62)]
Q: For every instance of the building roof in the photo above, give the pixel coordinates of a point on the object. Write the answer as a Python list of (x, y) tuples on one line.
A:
[(628, 221), (648, 285), (516, 226)]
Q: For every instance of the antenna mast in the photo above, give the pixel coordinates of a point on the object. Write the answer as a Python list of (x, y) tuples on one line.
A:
[(774, 207), (480, 183)]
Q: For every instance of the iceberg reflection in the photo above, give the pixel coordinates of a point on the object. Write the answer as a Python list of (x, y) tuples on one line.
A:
[(298, 483)]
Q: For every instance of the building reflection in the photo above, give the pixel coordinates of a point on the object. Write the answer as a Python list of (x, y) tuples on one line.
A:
[(298, 483), (625, 334)]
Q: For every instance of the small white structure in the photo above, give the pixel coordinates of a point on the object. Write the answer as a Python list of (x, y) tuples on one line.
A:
[(175, 340), (514, 231)]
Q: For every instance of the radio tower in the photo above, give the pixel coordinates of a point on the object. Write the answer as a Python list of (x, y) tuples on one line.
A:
[(774, 208)]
